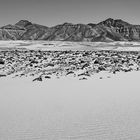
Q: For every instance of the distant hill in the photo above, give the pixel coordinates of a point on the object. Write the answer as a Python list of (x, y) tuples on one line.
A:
[(108, 30)]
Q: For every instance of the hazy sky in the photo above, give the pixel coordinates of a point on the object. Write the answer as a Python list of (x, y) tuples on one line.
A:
[(52, 12)]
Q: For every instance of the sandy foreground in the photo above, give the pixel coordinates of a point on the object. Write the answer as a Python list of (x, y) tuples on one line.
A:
[(62, 109), (106, 106)]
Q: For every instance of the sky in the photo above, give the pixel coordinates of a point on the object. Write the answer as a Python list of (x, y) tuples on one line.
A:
[(53, 12)]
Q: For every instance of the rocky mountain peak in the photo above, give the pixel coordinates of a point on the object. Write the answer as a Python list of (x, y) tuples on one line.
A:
[(91, 24), (114, 22), (67, 24), (23, 23)]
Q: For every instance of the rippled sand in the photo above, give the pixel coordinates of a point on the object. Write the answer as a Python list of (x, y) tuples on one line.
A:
[(107, 109)]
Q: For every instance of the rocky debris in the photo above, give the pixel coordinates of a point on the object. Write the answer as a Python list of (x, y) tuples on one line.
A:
[(50, 64), (84, 74), (78, 64), (48, 77), (70, 72), (108, 30), (38, 79), (84, 78), (2, 75), (2, 62), (85, 65)]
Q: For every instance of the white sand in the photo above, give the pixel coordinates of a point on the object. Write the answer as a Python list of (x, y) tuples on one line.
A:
[(94, 109), (69, 109), (60, 45)]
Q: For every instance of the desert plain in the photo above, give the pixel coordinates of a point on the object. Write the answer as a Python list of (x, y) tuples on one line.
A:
[(53, 90)]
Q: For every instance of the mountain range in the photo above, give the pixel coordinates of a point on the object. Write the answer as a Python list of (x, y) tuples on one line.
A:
[(108, 30)]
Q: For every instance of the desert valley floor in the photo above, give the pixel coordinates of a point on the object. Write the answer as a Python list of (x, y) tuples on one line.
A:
[(69, 90)]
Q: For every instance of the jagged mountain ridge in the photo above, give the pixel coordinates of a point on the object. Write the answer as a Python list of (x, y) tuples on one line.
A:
[(108, 30)]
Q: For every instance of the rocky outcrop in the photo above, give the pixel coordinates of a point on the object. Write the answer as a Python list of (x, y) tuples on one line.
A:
[(108, 30), (69, 32), (34, 32), (11, 32), (23, 23), (127, 31), (23, 30)]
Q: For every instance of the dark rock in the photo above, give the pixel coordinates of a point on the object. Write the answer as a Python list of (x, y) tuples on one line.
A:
[(84, 78), (31, 65), (70, 72), (2, 62), (22, 74), (96, 62), (101, 68), (50, 64), (34, 62), (82, 61), (84, 74), (114, 72), (85, 65), (127, 70), (38, 79), (2, 75), (47, 77), (138, 57)]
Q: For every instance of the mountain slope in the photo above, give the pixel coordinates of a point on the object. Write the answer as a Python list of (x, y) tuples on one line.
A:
[(108, 30), (127, 31)]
